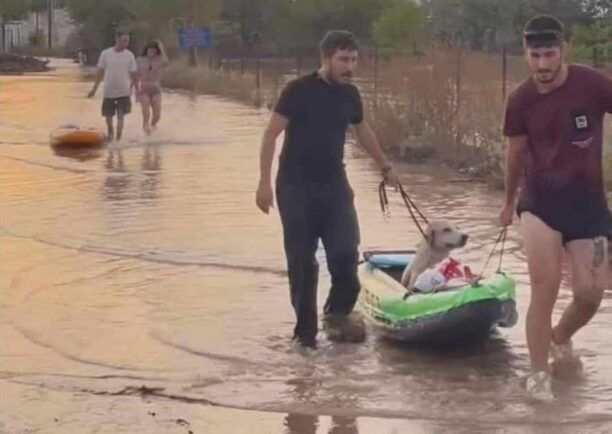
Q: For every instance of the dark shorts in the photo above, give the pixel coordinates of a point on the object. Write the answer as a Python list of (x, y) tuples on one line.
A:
[(113, 106), (597, 224)]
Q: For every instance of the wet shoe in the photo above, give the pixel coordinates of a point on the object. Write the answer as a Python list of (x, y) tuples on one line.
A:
[(344, 328), (539, 386)]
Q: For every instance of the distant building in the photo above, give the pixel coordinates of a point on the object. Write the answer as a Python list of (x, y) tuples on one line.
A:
[(18, 33)]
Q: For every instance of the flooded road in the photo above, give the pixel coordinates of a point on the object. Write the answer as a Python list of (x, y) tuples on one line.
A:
[(142, 291)]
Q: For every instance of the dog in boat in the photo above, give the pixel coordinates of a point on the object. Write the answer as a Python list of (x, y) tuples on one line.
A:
[(440, 238)]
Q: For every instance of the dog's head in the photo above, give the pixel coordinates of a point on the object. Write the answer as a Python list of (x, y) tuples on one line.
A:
[(442, 235)]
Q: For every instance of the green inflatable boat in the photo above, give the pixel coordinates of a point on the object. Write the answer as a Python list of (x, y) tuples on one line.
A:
[(454, 315)]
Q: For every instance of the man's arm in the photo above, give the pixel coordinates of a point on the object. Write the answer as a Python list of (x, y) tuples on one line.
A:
[(367, 139), (606, 94), (515, 165), (276, 126), (98, 80), (100, 73)]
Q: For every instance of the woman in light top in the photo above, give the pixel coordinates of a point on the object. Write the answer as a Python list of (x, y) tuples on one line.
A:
[(150, 66)]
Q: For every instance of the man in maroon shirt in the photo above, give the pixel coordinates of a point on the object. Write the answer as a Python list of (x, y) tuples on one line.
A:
[(554, 125)]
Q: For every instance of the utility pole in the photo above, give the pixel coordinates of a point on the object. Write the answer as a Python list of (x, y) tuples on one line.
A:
[(193, 19), (50, 23), (3, 30)]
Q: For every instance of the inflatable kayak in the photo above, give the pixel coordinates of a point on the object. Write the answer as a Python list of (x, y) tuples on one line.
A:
[(462, 313), (73, 136)]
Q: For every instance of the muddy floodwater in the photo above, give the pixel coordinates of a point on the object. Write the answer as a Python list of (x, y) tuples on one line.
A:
[(143, 292)]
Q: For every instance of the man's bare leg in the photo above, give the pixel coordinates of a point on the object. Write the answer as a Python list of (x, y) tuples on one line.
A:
[(544, 250), (589, 260), (120, 118), (109, 128)]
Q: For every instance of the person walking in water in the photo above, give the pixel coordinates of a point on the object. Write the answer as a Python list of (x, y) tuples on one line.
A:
[(554, 124), (314, 197), (117, 67), (150, 66)]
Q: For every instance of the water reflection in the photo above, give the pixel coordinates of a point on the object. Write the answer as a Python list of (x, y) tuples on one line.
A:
[(344, 425), (493, 357), (79, 154), (172, 242), (301, 424), (117, 180), (124, 181), (296, 423), (151, 167)]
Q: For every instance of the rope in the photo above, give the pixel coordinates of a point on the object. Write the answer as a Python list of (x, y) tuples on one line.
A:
[(384, 200), (501, 238), (501, 253), (411, 202), (413, 209)]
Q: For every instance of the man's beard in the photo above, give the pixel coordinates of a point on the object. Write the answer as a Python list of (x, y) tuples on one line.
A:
[(553, 75), (341, 78)]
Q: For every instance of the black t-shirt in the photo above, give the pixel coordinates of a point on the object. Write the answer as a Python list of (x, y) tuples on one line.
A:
[(319, 114)]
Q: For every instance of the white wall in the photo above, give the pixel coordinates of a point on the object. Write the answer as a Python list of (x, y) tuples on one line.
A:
[(18, 32)]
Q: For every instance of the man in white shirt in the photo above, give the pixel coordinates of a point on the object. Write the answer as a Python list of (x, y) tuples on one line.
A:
[(117, 67)]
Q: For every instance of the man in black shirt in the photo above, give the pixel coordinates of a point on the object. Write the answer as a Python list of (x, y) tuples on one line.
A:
[(314, 197)]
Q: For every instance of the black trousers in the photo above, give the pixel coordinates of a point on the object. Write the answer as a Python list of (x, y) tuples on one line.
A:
[(310, 212)]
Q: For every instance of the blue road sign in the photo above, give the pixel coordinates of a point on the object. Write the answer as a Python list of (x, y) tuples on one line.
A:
[(190, 37)]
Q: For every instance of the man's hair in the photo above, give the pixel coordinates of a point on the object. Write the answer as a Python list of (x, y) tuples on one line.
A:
[(120, 33), (335, 40), (543, 31)]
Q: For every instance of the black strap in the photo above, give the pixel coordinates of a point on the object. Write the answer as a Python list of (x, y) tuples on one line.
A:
[(413, 209), (501, 238), (411, 202), (384, 200), (501, 253)]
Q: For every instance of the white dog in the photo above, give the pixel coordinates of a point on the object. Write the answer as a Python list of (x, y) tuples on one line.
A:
[(440, 238)]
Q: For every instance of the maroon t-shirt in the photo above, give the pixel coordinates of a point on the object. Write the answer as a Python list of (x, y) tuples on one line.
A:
[(564, 129)]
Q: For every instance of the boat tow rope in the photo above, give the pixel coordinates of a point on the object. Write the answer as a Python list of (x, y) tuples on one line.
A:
[(501, 238), (413, 209)]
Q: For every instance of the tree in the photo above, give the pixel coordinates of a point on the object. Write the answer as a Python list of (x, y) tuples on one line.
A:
[(286, 25), (14, 9), (291, 24), (594, 42), (11, 10), (598, 9), (398, 27), (477, 22), (144, 19), (37, 6)]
